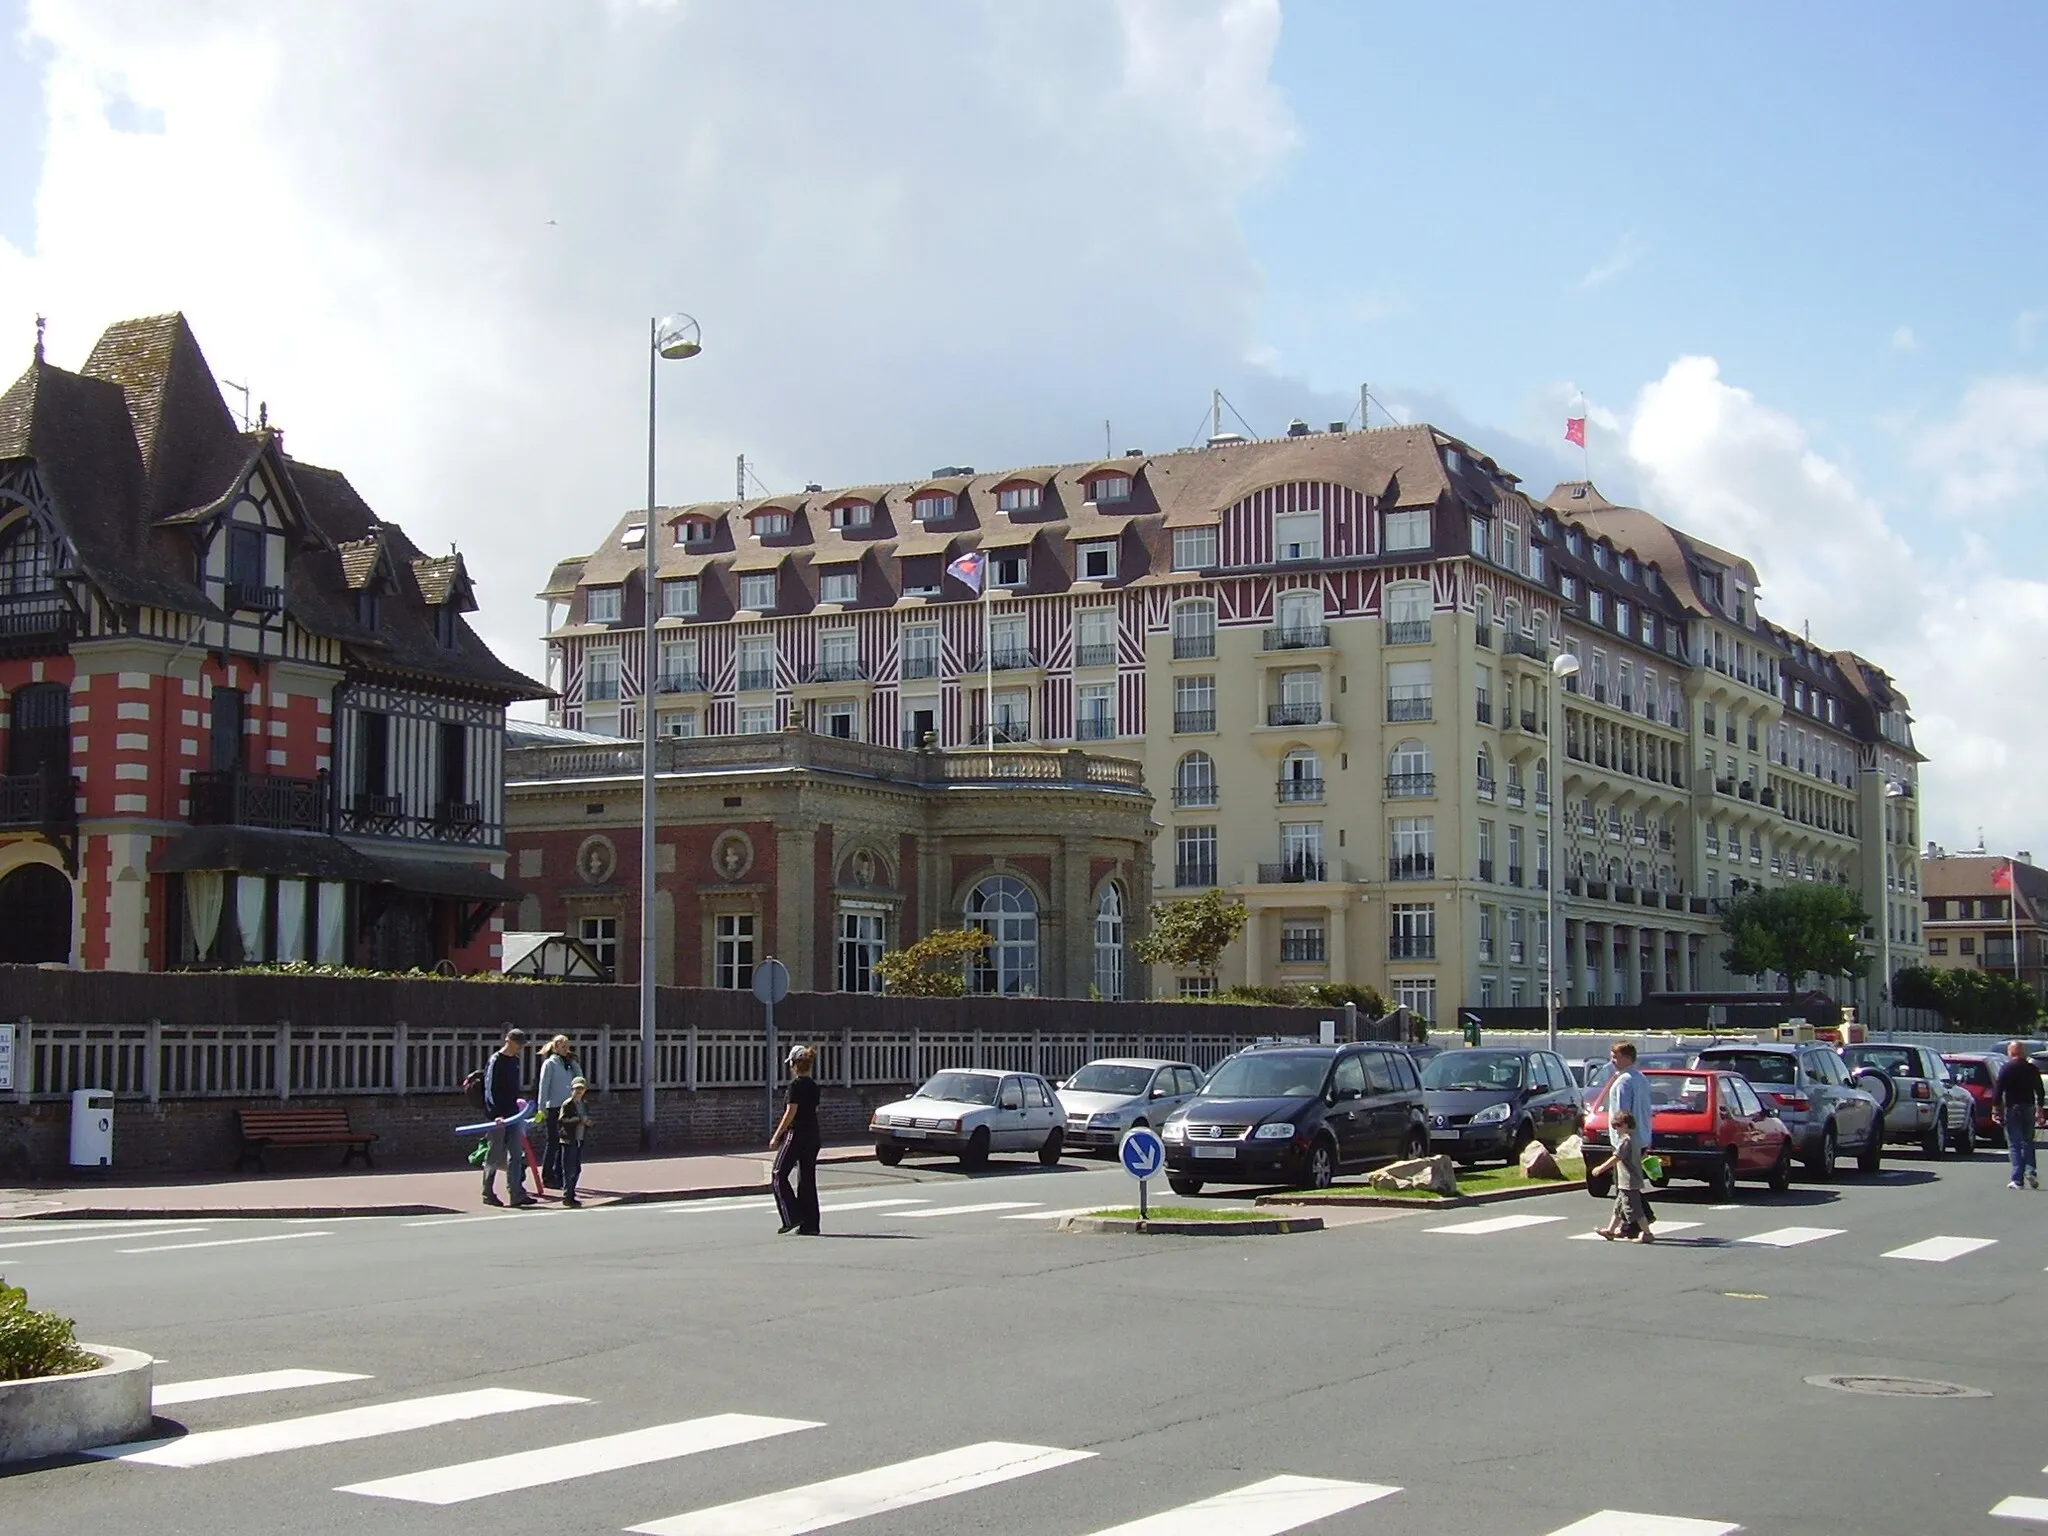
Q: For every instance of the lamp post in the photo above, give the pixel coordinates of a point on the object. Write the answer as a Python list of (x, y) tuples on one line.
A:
[(1566, 665), (1893, 790), (671, 337)]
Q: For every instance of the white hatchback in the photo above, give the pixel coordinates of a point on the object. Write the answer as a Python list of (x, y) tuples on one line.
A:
[(970, 1112)]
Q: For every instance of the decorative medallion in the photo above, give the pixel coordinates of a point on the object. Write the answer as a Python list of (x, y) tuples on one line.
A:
[(732, 855), (596, 860)]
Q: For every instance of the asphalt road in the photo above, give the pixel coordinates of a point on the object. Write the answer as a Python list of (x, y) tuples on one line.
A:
[(1507, 1380)]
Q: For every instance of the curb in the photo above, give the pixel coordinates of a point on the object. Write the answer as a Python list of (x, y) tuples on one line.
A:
[(1446, 1202), (1279, 1226), (59, 1415)]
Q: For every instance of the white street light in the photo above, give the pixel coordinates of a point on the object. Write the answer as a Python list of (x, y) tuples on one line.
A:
[(1566, 665), (672, 337)]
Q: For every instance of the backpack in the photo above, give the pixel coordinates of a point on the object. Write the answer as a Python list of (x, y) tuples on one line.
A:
[(473, 1087)]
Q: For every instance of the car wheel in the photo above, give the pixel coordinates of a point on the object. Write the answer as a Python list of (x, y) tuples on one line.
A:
[(1182, 1185), (1417, 1144), (1781, 1170), (1524, 1134), (1322, 1166), (1822, 1164), (1868, 1155), (1049, 1154), (888, 1157), (1600, 1185), (1966, 1139), (1935, 1142), (1722, 1184), (975, 1154)]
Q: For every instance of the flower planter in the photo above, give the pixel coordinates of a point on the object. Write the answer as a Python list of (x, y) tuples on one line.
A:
[(58, 1415)]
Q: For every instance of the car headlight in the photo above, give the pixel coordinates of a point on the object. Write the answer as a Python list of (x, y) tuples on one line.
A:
[(879, 1122), (1278, 1130), (947, 1125), (1173, 1130), (1493, 1114), (1102, 1122)]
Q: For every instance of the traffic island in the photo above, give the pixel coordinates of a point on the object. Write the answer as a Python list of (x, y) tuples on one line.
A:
[(1487, 1186), (59, 1415), (1191, 1221)]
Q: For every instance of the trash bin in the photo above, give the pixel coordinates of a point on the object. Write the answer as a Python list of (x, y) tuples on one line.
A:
[(1472, 1036), (92, 1128)]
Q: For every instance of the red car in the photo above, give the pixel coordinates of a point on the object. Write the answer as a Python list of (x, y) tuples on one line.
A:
[(1707, 1125), (1978, 1073)]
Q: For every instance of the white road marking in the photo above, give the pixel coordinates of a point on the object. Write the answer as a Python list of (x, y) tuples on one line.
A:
[(1724, 1207), (462, 1221), (218, 1445), (1079, 1210), (873, 1205), (1494, 1224), (1791, 1237), (1939, 1250), (168, 1393), (1658, 1227), (969, 1210), (1260, 1509), (560, 1463), (225, 1242), (75, 1223), (815, 1506), (1619, 1522), (12, 1248), (713, 1207), (2018, 1508)]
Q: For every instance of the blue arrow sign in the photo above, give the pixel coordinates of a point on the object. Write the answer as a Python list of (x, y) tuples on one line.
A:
[(1143, 1153)]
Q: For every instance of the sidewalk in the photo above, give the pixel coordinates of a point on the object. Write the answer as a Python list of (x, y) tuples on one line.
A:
[(697, 1176)]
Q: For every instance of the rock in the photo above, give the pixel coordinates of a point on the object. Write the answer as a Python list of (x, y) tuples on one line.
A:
[(1538, 1163), (1572, 1146), (1436, 1174)]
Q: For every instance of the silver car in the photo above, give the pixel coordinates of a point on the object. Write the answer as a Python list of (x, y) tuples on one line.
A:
[(1108, 1097), (1925, 1103), (1810, 1089), (970, 1112)]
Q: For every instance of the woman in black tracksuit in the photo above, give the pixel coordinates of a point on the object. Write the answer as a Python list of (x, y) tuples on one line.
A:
[(795, 1144)]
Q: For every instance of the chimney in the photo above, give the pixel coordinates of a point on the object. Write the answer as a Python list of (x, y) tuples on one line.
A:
[(2024, 857)]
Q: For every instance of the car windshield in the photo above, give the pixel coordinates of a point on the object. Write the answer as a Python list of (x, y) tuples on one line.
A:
[(1108, 1077), (1757, 1066), (1484, 1071), (1892, 1061), (1680, 1095), (1666, 1059), (1261, 1076), (1974, 1073), (960, 1087)]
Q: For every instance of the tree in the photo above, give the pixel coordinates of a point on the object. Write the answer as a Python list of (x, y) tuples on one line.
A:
[(1795, 931), (1985, 1002), (1191, 934), (1915, 986), (934, 966)]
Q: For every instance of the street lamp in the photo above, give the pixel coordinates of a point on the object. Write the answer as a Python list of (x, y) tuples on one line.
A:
[(1566, 665), (1893, 790), (671, 337)]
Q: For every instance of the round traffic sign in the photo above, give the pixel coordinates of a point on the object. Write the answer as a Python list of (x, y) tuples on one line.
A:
[(1142, 1153), (771, 981)]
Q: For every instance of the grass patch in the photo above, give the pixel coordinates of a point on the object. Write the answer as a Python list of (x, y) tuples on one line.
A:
[(1184, 1213), (1471, 1181)]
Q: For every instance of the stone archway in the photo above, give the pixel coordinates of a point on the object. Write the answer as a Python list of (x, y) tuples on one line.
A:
[(35, 916)]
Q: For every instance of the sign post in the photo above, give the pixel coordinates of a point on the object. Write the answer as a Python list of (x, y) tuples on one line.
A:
[(771, 986), (1143, 1154)]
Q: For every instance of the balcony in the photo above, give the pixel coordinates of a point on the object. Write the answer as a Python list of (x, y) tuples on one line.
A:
[(1529, 721), (1095, 728), (1485, 789), (31, 800), (1411, 707), (1302, 949), (1301, 869), (1297, 637), (1301, 791), (840, 671), (1310, 713), (1483, 710), (1542, 879), (1482, 635), (600, 690), (1747, 791), (234, 798), (1194, 876), (240, 597), (1410, 786), (1003, 658), (38, 622), (1514, 874), (1411, 946), (681, 682), (371, 814), (1768, 799), (1194, 722), (1486, 869), (1191, 647), (919, 665), (915, 741), (757, 680), (460, 821), (1407, 632), (1005, 733), (1194, 796), (1105, 655), (1412, 866), (1523, 645)]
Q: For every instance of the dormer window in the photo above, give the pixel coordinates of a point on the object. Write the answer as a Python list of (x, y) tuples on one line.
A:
[(1104, 489), (368, 608), (1009, 568), (934, 506), (694, 531), (1098, 561), (841, 585), (445, 630), (603, 605), (853, 514), (758, 592), (635, 537), (1628, 568), (1571, 540), (679, 599), (26, 561), (1600, 556), (1020, 498), (771, 525)]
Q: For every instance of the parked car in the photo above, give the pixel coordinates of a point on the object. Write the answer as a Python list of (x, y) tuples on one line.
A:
[(1704, 1125), (1597, 1072), (1922, 1101), (971, 1112), (1977, 1074), (1488, 1102), (1297, 1114), (1808, 1088), (1106, 1098)]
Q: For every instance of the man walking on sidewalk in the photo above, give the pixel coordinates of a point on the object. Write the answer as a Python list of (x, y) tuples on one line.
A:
[(507, 1147), (2017, 1100)]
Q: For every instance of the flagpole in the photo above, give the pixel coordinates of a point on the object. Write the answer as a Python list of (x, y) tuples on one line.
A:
[(2012, 908), (988, 657), (1585, 453)]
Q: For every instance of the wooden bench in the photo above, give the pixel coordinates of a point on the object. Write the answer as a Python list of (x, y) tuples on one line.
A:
[(264, 1129)]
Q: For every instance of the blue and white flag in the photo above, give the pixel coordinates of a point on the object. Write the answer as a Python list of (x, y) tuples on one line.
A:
[(969, 568)]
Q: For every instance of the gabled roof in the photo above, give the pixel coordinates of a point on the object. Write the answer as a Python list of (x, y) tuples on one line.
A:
[(190, 446), (444, 578)]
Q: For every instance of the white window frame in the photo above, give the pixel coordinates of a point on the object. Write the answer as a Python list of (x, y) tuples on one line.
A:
[(604, 605), (1098, 561), (862, 937), (853, 514), (1195, 549), (1404, 528), (757, 591), (679, 598), (1020, 498), (839, 586), (1106, 490), (733, 940), (1298, 536)]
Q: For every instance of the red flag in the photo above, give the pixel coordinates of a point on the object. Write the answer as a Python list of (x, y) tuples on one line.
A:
[(1575, 430), (2001, 878)]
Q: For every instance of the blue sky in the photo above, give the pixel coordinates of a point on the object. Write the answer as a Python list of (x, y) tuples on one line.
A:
[(1790, 254)]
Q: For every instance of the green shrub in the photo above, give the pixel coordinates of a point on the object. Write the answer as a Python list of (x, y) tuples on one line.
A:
[(36, 1343)]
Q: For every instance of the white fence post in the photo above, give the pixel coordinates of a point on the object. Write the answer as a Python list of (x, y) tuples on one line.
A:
[(691, 1075), (283, 1060), (152, 1060), (24, 1061), (604, 1059), (401, 1038)]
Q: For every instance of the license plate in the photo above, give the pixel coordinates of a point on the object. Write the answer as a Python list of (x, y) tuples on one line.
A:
[(1215, 1151), (910, 1132)]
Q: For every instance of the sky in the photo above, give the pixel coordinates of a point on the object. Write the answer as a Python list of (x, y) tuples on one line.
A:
[(1786, 258)]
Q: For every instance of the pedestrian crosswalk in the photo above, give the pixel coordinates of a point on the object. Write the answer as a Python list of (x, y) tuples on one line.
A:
[(1930, 1250), (1270, 1506)]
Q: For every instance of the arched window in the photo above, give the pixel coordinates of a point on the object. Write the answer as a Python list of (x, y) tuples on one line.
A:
[(1194, 780), (1194, 629), (1542, 782), (1004, 908), (1485, 774), (1301, 616), (1411, 770), (27, 557), (1109, 944), (1301, 776)]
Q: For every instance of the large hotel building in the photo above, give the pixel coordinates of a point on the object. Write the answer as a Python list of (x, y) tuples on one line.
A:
[(1333, 655)]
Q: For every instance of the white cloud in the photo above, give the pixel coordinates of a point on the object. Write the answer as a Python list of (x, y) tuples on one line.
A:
[(1903, 340), (1963, 638), (916, 231), (1619, 260), (1993, 451)]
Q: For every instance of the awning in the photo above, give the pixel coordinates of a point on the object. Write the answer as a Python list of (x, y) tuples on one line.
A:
[(252, 851), (431, 877)]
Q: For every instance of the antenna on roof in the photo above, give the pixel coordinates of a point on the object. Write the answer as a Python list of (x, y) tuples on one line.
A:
[(40, 323), (243, 390), (1215, 413), (739, 480), (1364, 410), (263, 415), (1105, 437)]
